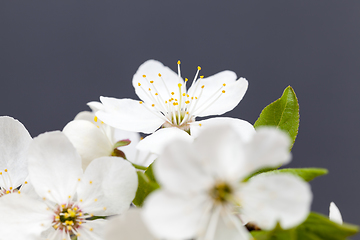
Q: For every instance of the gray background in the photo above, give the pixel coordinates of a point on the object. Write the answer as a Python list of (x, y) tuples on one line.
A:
[(55, 56)]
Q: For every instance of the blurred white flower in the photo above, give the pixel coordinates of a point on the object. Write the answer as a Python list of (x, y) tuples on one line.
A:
[(14, 144), (334, 213), (203, 194), (93, 138), (166, 101), (69, 196)]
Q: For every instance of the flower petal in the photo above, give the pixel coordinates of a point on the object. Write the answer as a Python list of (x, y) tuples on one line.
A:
[(269, 199), (54, 166), (108, 186), (269, 147), (128, 226), (128, 114), (216, 98), (151, 70), (95, 106), (134, 137), (89, 141), (14, 143), (244, 129), (85, 115), (92, 230), (156, 142), (334, 213), (23, 217), (173, 217)]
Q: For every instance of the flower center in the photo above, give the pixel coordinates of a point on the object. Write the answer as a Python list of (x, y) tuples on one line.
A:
[(177, 105), (221, 192), (68, 218)]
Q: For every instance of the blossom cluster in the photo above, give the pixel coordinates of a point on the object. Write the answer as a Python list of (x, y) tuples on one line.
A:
[(211, 179)]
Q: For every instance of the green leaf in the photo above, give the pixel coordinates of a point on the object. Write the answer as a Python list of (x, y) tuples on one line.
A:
[(149, 172), (283, 114), (145, 187), (308, 174), (122, 143), (263, 170), (315, 227)]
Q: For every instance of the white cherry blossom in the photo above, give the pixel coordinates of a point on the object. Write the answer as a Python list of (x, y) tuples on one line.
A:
[(203, 196), (93, 139), (68, 197), (168, 100), (14, 143)]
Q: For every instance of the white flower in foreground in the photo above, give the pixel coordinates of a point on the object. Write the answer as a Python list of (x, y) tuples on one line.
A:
[(69, 196), (93, 138), (170, 101), (334, 213), (128, 226), (202, 191), (14, 143)]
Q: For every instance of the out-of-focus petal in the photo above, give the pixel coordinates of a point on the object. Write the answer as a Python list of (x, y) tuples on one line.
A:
[(334, 213)]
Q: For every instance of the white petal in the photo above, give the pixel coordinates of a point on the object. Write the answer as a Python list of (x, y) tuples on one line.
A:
[(95, 106), (156, 142), (23, 217), (92, 230), (14, 143), (244, 129), (54, 166), (172, 216), (108, 186), (129, 115), (268, 148), (181, 168), (213, 87), (334, 214), (128, 226), (269, 199), (85, 115), (151, 70), (89, 141)]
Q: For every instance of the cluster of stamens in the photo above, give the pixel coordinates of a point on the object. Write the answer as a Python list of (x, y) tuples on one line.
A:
[(68, 218), (8, 185), (179, 109), (221, 193)]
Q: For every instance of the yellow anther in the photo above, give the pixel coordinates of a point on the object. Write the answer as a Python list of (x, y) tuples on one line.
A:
[(172, 93), (202, 86), (80, 222), (49, 191), (192, 98), (95, 118), (98, 126), (175, 99), (66, 215), (7, 191), (140, 102), (201, 77), (175, 103), (156, 94), (151, 81), (224, 84), (0, 173), (69, 197), (187, 95), (56, 226), (165, 101), (186, 79), (179, 62), (79, 179), (11, 188), (95, 199), (47, 209), (149, 89), (63, 206), (223, 91), (144, 76), (187, 102), (80, 214), (69, 228), (199, 68), (91, 214), (75, 209), (5, 170), (172, 99), (78, 234), (102, 122), (57, 217), (18, 192), (139, 84), (200, 124), (104, 208), (184, 94), (90, 182), (159, 75), (153, 105), (91, 229), (44, 198), (187, 112), (195, 97), (179, 85)]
